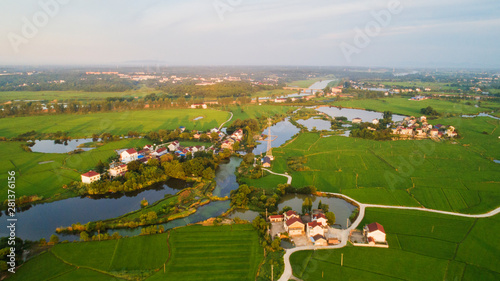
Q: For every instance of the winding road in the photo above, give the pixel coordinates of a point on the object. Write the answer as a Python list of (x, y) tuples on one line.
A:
[(287, 273), (289, 181), (220, 127)]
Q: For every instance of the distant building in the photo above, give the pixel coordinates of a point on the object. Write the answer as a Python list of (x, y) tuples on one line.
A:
[(266, 162), (90, 177), (375, 121), (276, 218), (356, 120)]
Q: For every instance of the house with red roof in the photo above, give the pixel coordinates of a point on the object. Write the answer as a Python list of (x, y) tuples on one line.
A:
[(290, 214), (375, 232), (90, 177), (315, 228), (276, 218), (118, 170), (321, 218), (319, 240), (129, 155), (294, 226)]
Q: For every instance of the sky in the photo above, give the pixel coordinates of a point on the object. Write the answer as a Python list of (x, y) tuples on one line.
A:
[(371, 33)]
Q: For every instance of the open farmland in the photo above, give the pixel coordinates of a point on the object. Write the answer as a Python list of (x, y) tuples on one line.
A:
[(115, 123), (407, 107), (44, 174), (457, 177), (422, 246), (69, 95), (229, 252), (255, 111)]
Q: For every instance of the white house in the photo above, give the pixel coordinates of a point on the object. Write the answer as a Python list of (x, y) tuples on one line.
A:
[(129, 155), (90, 177), (290, 214), (294, 226), (173, 146), (276, 218), (118, 170), (356, 120), (199, 105), (375, 121), (376, 232), (237, 135), (148, 147), (320, 218), (314, 228)]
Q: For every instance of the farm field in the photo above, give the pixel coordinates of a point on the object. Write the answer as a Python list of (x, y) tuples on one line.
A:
[(255, 111), (44, 174), (308, 82), (435, 86), (276, 92), (230, 252), (407, 107), (437, 175), (136, 256), (116, 123), (69, 95), (447, 247)]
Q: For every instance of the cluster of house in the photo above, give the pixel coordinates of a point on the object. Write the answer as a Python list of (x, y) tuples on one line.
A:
[(148, 152), (419, 128), (316, 230), (228, 143)]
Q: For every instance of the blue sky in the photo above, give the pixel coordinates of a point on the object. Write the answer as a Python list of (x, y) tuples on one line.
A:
[(425, 33)]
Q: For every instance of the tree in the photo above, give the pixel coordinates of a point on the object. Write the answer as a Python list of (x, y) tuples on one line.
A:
[(330, 218), (54, 239), (208, 173), (306, 205), (276, 244), (286, 209), (100, 167), (134, 166), (387, 115), (84, 236)]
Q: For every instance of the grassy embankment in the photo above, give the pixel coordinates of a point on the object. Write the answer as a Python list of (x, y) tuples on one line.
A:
[(189, 253), (422, 246)]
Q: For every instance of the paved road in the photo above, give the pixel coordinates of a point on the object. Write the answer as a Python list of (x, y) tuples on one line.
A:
[(287, 273), (289, 181), (220, 127)]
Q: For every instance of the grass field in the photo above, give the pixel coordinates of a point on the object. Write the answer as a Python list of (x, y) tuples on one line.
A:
[(213, 253), (407, 107), (47, 179), (435, 86), (422, 246), (116, 123), (276, 92), (230, 252), (254, 111), (457, 177)]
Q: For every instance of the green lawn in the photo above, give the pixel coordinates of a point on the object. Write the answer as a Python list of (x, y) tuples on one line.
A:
[(213, 253), (47, 179), (407, 107), (422, 246), (254, 111), (116, 123), (276, 92), (457, 177)]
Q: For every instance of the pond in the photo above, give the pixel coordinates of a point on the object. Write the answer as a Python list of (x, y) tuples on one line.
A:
[(243, 214), (481, 115), (51, 146), (283, 131), (351, 113), (41, 220), (341, 208), (198, 118), (320, 124)]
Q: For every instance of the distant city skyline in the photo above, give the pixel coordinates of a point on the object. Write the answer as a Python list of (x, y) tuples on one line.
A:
[(380, 33)]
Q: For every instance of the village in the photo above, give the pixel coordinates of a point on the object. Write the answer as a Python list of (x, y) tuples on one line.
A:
[(174, 148), (315, 230)]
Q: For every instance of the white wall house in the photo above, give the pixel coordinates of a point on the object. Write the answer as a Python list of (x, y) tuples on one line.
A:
[(90, 177), (129, 155), (314, 228), (118, 170), (376, 232)]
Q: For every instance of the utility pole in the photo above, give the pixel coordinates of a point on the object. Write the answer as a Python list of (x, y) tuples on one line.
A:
[(342, 259), (272, 275), (99, 234)]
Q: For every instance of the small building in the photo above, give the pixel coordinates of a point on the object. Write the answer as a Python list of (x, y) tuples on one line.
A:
[(294, 226), (314, 228), (290, 214), (423, 119), (320, 218), (319, 240), (356, 120), (182, 128), (199, 105), (276, 218), (375, 121), (375, 231), (118, 170), (434, 132), (227, 144), (90, 177), (148, 147), (266, 162), (129, 155), (173, 146)]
